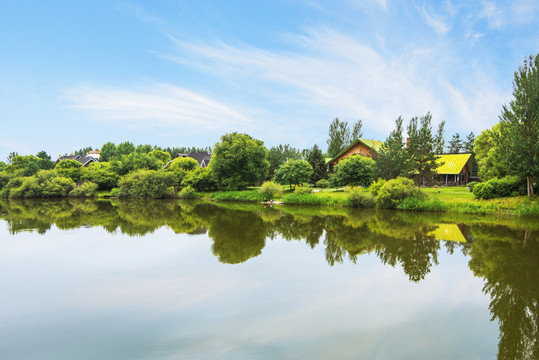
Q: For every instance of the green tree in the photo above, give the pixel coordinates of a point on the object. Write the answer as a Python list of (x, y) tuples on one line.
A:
[(125, 148), (439, 140), (162, 156), (239, 161), (421, 149), (44, 162), (294, 172), (519, 121), (456, 145), (356, 130), (108, 152), (356, 170), (135, 161), (391, 160), (278, 155), (489, 155), (316, 159), (339, 137), (103, 175), (183, 163), (71, 169), (469, 149)]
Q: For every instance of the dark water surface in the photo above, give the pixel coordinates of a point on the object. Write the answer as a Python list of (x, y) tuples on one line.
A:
[(178, 280)]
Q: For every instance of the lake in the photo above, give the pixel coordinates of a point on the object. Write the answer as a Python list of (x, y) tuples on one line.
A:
[(109, 279)]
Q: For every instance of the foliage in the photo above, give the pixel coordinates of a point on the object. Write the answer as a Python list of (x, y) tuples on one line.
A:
[(247, 196), (46, 183), (270, 189), (394, 191), (135, 161), (471, 185), (162, 156), (108, 152), (200, 179), (239, 161), (439, 140), (355, 170), (147, 184), (391, 160), (70, 169), (494, 188), (322, 183), (416, 204), (125, 148), (188, 193), (339, 137), (519, 125), (374, 188), (102, 174), (303, 199), (304, 189), (315, 158), (359, 198), (278, 155), (356, 130), (489, 155), (183, 163), (421, 149), (86, 189), (456, 145), (294, 172)]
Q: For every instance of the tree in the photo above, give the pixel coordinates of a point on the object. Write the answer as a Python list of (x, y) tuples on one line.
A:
[(44, 162), (11, 156), (162, 156), (489, 155), (421, 148), (439, 140), (183, 163), (70, 169), (239, 161), (355, 170), (456, 145), (125, 148), (391, 160), (278, 155), (339, 137), (315, 158), (83, 151), (469, 149), (356, 130), (294, 172), (519, 121), (108, 152)]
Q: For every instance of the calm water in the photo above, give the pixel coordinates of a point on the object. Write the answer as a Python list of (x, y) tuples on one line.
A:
[(177, 280)]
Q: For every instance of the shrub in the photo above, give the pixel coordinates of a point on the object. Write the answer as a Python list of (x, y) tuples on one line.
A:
[(86, 189), (114, 192), (355, 170), (374, 188), (394, 191), (270, 189), (70, 169), (183, 163), (322, 183), (247, 196), (358, 198), (507, 186), (147, 184), (471, 185), (304, 189), (199, 179), (416, 204), (46, 183), (188, 193), (103, 175)]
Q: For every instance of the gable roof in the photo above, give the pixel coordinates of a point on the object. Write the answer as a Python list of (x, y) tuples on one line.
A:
[(374, 145), (452, 164), (84, 160)]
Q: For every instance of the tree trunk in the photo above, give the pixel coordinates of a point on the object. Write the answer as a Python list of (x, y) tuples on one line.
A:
[(529, 186)]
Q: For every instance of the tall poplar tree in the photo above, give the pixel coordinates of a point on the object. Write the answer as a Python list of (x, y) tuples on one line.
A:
[(439, 140), (421, 149), (356, 130), (339, 137), (519, 130), (391, 160)]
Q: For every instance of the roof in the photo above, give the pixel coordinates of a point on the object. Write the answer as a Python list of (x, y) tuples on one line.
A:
[(374, 145), (84, 160), (452, 164)]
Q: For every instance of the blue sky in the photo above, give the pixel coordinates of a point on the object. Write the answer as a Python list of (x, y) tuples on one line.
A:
[(183, 73)]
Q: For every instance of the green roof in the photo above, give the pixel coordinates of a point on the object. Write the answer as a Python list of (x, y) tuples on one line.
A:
[(371, 144), (452, 164)]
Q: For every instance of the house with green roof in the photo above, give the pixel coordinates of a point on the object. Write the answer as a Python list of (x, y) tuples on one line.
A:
[(363, 147), (454, 169)]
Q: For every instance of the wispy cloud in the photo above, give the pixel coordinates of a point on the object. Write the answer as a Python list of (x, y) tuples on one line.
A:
[(156, 105), (434, 21)]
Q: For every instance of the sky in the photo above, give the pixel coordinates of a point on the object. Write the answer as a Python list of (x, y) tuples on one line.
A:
[(75, 74)]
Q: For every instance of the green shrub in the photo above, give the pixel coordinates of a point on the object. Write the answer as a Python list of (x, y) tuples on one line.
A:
[(356, 170), (394, 191), (270, 189), (70, 169), (416, 204), (471, 185), (374, 188), (247, 196), (46, 183), (114, 192), (147, 184), (494, 188), (188, 193), (358, 198), (322, 183), (304, 189), (200, 179), (86, 189), (332, 178), (103, 175), (527, 210)]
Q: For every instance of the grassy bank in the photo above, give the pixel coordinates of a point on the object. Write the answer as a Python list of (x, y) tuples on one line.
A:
[(444, 199)]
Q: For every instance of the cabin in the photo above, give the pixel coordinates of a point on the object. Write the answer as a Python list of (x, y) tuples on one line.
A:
[(363, 147), (203, 158), (84, 160), (454, 169)]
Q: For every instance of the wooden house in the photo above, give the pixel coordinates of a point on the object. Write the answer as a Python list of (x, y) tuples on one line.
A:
[(454, 169), (363, 147)]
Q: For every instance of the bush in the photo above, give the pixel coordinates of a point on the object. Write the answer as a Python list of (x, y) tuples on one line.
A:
[(374, 188), (356, 170), (494, 188), (46, 183), (200, 180), (148, 184), (416, 204), (86, 189), (183, 163), (188, 193), (396, 190), (103, 175), (322, 183), (70, 169), (471, 185), (270, 189), (304, 189), (358, 198)]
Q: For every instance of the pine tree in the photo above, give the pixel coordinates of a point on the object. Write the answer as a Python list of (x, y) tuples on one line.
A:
[(391, 160), (316, 159), (421, 149), (456, 145), (439, 141)]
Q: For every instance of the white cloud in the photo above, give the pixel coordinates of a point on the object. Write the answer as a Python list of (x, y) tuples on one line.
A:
[(157, 105), (434, 21)]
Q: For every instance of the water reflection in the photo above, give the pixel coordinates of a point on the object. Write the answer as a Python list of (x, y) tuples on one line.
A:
[(502, 251)]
